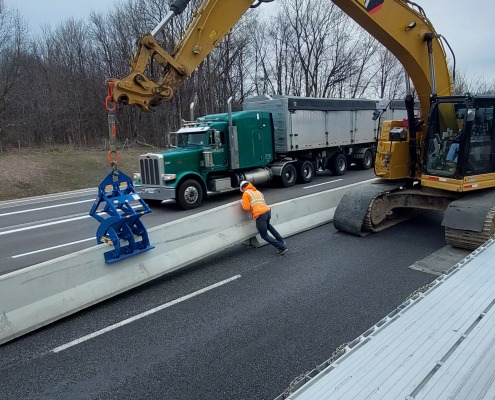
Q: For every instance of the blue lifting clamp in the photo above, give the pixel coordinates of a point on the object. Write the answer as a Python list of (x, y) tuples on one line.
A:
[(119, 219)]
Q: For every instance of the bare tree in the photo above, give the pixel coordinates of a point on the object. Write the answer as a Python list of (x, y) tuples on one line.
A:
[(13, 44), (388, 76), (473, 84)]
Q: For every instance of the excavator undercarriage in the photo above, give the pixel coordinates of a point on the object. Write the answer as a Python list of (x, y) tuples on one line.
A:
[(468, 218)]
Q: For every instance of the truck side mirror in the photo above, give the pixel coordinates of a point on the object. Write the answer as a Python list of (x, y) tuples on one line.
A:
[(218, 140), (376, 115)]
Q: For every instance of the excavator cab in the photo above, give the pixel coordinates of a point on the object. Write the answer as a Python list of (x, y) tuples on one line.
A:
[(460, 140)]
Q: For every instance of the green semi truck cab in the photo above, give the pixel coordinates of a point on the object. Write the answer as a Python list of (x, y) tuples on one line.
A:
[(213, 154)]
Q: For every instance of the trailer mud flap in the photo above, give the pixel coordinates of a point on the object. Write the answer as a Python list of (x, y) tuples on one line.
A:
[(120, 218)]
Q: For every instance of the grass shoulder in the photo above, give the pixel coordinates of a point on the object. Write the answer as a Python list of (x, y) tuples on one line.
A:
[(27, 173)]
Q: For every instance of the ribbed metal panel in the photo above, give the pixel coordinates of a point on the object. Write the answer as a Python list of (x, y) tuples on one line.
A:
[(302, 123), (439, 345), (151, 169)]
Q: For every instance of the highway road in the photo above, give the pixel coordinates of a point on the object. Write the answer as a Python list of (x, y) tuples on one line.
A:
[(238, 325), (37, 229)]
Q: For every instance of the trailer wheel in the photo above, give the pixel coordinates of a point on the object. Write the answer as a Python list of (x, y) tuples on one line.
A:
[(306, 172), (189, 195), (338, 165), (289, 175), (367, 160)]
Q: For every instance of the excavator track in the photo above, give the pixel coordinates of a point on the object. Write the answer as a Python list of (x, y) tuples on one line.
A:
[(379, 206), (381, 215), (469, 218), (471, 240), (356, 205), (470, 221), (390, 208)]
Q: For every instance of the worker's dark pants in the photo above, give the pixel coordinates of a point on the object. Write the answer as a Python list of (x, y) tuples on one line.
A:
[(263, 225)]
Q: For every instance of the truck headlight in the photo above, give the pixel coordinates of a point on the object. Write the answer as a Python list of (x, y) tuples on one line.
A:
[(168, 177), (136, 178)]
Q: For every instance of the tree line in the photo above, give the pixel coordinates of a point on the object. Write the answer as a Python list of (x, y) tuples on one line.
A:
[(52, 84)]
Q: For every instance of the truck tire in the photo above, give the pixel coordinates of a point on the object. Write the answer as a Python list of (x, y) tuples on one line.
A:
[(338, 165), (367, 161), (306, 172), (289, 175), (189, 195)]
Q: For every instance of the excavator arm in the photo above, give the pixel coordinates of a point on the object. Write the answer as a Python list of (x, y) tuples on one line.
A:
[(211, 22), (409, 35)]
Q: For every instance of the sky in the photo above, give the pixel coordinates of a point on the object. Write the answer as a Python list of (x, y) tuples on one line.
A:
[(469, 26)]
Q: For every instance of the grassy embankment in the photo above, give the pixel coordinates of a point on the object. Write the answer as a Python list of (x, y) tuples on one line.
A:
[(30, 173)]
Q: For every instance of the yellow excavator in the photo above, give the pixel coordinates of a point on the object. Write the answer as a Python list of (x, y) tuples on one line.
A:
[(442, 159)]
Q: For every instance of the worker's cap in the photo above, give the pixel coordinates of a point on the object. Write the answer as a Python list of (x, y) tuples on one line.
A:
[(243, 185)]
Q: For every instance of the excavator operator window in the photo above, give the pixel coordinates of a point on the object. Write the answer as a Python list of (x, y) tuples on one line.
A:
[(444, 140), (481, 140)]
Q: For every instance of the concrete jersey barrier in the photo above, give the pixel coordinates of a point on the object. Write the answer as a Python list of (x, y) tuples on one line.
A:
[(38, 295)]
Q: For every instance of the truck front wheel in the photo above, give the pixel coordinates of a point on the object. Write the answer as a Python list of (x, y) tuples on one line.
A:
[(189, 195)]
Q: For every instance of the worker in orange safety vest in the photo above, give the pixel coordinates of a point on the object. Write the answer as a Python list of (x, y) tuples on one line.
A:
[(253, 200)]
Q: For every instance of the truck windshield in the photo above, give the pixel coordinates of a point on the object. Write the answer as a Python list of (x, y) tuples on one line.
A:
[(192, 138)]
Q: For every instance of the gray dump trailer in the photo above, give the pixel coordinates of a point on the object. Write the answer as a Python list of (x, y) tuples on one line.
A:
[(331, 132)]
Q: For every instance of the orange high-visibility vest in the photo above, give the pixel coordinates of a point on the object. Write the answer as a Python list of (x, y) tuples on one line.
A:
[(257, 203)]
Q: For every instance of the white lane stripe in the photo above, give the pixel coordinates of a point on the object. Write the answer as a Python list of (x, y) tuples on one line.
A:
[(48, 197), (142, 315), (45, 208), (324, 183), (53, 247), (27, 228)]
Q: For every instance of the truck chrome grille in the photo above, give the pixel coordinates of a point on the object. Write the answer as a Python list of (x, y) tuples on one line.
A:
[(151, 169)]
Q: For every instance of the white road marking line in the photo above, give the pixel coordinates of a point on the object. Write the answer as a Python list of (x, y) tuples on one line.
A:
[(324, 183), (48, 197), (53, 247), (27, 228), (142, 315), (45, 208)]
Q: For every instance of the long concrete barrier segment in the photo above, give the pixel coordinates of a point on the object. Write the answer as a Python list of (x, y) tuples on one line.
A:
[(43, 293)]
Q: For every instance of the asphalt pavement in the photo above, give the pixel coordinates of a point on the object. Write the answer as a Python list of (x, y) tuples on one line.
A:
[(269, 319)]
